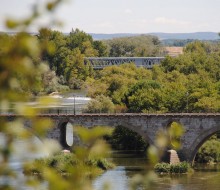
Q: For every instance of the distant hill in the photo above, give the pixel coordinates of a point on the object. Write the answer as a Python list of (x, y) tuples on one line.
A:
[(97, 36), (162, 36)]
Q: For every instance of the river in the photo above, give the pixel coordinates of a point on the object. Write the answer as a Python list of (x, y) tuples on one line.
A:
[(204, 177)]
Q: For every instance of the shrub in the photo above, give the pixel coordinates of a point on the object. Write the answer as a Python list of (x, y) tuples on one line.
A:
[(100, 162), (182, 167), (162, 168), (179, 168), (209, 151), (63, 162), (101, 104)]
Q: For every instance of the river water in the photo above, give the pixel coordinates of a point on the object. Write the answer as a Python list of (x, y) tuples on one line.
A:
[(204, 177)]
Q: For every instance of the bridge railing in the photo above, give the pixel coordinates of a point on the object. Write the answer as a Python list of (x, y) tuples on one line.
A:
[(45, 111), (72, 111)]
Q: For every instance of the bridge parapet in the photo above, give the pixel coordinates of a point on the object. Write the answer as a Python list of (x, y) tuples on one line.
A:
[(101, 62)]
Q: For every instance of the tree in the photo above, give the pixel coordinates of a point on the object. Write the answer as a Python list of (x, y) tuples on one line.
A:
[(101, 104), (137, 46), (101, 48), (65, 54), (144, 96), (114, 81), (52, 42)]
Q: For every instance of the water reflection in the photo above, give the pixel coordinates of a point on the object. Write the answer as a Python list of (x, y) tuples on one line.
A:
[(22, 152), (113, 179), (204, 177)]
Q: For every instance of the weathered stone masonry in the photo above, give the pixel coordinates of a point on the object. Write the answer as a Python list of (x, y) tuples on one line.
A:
[(198, 127)]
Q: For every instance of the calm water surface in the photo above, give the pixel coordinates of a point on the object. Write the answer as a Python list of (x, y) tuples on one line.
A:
[(204, 177)]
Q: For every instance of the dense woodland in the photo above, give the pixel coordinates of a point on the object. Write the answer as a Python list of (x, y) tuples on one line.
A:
[(183, 43), (187, 83)]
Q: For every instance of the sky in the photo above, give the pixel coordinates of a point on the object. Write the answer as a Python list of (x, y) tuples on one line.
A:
[(123, 16)]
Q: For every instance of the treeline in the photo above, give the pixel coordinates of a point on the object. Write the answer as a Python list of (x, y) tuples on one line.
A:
[(64, 56), (176, 42), (135, 46), (184, 42), (187, 83)]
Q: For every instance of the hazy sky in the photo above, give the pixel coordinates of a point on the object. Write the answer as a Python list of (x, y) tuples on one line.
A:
[(126, 16)]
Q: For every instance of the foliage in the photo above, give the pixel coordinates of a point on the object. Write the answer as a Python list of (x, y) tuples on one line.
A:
[(101, 163), (182, 167), (125, 139), (162, 168), (187, 83), (51, 83), (22, 70), (168, 138), (175, 131), (145, 94), (115, 81), (100, 104), (63, 162), (209, 151), (176, 42), (64, 55), (80, 167), (67, 59), (136, 46)]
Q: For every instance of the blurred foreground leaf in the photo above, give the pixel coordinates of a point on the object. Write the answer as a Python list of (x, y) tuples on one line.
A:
[(89, 136)]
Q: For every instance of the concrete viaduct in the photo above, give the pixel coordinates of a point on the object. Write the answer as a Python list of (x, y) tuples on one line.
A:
[(198, 127)]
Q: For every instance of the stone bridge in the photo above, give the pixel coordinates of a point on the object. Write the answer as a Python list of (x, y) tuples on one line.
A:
[(198, 127)]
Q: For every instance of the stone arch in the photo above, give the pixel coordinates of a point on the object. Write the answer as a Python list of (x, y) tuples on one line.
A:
[(62, 135), (62, 127), (138, 130), (199, 141), (129, 126), (170, 121), (126, 139)]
